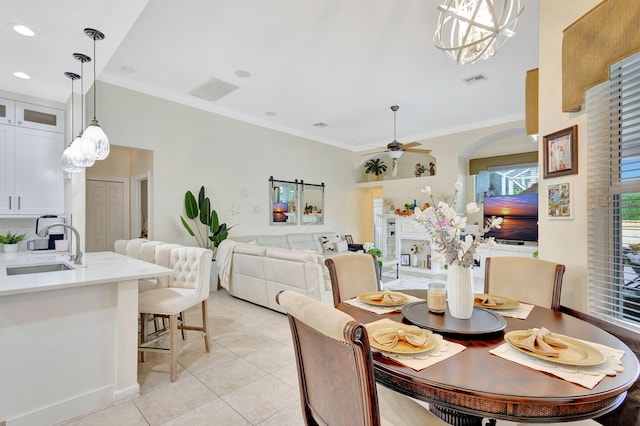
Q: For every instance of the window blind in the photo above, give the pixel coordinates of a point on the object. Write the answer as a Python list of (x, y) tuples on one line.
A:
[(613, 191)]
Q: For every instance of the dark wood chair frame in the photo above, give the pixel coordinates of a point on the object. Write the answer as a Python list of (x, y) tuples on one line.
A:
[(319, 359), (335, 285)]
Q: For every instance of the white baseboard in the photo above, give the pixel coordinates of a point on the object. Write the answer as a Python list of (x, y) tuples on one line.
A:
[(126, 394), (68, 409)]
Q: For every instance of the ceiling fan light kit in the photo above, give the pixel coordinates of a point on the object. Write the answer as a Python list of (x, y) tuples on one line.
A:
[(471, 30)]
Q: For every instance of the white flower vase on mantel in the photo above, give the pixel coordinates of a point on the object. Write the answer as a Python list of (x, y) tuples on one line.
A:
[(460, 290), (414, 261)]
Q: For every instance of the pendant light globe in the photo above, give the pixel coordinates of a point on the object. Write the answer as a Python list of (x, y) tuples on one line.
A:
[(70, 157), (95, 140), (84, 151)]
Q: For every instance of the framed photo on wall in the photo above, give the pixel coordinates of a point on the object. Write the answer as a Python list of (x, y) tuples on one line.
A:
[(405, 260), (561, 153), (560, 203)]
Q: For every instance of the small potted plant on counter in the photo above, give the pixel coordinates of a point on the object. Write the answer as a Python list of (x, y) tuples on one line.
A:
[(10, 241)]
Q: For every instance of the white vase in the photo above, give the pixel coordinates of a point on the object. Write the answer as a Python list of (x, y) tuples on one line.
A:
[(414, 261), (460, 291), (10, 248)]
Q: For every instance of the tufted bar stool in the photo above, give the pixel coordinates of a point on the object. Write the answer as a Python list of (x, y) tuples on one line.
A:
[(187, 287)]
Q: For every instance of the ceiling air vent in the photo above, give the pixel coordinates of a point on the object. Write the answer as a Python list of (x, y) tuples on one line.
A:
[(321, 124), (475, 79), (213, 90)]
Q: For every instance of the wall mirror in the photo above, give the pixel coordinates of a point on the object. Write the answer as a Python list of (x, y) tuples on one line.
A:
[(283, 202), (312, 204)]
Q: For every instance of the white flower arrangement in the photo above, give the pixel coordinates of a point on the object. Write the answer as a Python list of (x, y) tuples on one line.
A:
[(370, 248), (445, 227), (416, 248)]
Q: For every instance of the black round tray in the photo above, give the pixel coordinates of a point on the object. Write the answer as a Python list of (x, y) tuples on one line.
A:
[(482, 321)]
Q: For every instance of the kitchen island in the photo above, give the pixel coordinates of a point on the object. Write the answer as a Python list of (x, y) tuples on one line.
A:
[(68, 338)]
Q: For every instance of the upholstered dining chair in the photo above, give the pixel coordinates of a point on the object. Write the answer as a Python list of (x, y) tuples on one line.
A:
[(527, 280), (335, 370), (352, 274), (174, 294)]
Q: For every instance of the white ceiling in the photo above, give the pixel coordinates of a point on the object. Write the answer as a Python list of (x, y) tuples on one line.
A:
[(340, 62)]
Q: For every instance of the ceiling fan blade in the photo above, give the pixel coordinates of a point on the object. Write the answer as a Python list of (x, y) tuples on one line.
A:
[(422, 151), (410, 144), (374, 153)]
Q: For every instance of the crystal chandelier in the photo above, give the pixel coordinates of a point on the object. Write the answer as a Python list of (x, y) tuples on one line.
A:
[(469, 30)]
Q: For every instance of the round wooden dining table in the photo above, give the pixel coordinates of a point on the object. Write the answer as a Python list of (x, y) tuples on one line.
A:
[(475, 384)]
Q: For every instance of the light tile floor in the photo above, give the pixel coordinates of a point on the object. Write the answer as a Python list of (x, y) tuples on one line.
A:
[(248, 378)]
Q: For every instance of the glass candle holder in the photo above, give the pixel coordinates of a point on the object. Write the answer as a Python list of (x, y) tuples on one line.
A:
[(436, 298)]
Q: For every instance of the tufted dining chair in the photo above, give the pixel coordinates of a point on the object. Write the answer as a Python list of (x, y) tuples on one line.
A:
[(352, 274), (335, 370), (527, 280), (174, 294)]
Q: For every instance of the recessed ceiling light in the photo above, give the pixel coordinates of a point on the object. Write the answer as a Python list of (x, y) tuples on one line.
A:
[(23, 29), (22, 75), (270, 113), (243, 74)]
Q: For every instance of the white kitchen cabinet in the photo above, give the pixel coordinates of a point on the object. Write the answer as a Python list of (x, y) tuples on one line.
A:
[(7, 111), (22, 114), (31, 182)]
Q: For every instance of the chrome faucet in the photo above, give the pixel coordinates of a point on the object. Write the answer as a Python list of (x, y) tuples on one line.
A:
[(77, 258)]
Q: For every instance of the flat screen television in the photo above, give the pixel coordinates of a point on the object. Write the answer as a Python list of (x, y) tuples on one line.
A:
[(519, 213)]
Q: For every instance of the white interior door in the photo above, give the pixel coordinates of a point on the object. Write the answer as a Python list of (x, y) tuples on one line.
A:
[(107, 216)]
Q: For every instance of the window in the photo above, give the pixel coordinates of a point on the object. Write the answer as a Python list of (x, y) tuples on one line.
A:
[(506, 180), (613, 115)]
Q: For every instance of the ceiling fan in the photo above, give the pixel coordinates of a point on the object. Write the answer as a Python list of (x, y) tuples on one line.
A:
[(395, 148)]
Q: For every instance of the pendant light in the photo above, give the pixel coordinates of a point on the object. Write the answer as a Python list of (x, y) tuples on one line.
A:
[(70, 155), (94, 134), (85, 156), (471, 30)]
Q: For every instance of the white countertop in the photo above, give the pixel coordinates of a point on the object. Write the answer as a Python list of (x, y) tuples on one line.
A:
[(98, 268)]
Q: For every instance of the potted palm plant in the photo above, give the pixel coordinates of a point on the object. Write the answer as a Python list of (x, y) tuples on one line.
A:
[(375, 166), (209, 232), (10, 241)]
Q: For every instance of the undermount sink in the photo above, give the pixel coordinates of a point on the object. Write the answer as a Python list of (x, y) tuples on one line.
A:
[(36, 269)]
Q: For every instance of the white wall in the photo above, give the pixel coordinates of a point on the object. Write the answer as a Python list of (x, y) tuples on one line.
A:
[(563, 241), (193, 148)]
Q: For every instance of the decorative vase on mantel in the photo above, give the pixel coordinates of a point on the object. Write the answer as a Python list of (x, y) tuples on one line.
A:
[(460, 290), (10, 248)]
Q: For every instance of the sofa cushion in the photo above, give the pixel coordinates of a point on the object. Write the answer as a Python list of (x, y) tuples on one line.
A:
[(251, 249), (301, 242), (293, 255), (272, 241), (327, 241), (341, 246)]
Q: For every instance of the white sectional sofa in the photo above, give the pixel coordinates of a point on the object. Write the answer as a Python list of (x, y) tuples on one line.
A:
[(257, 268)]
